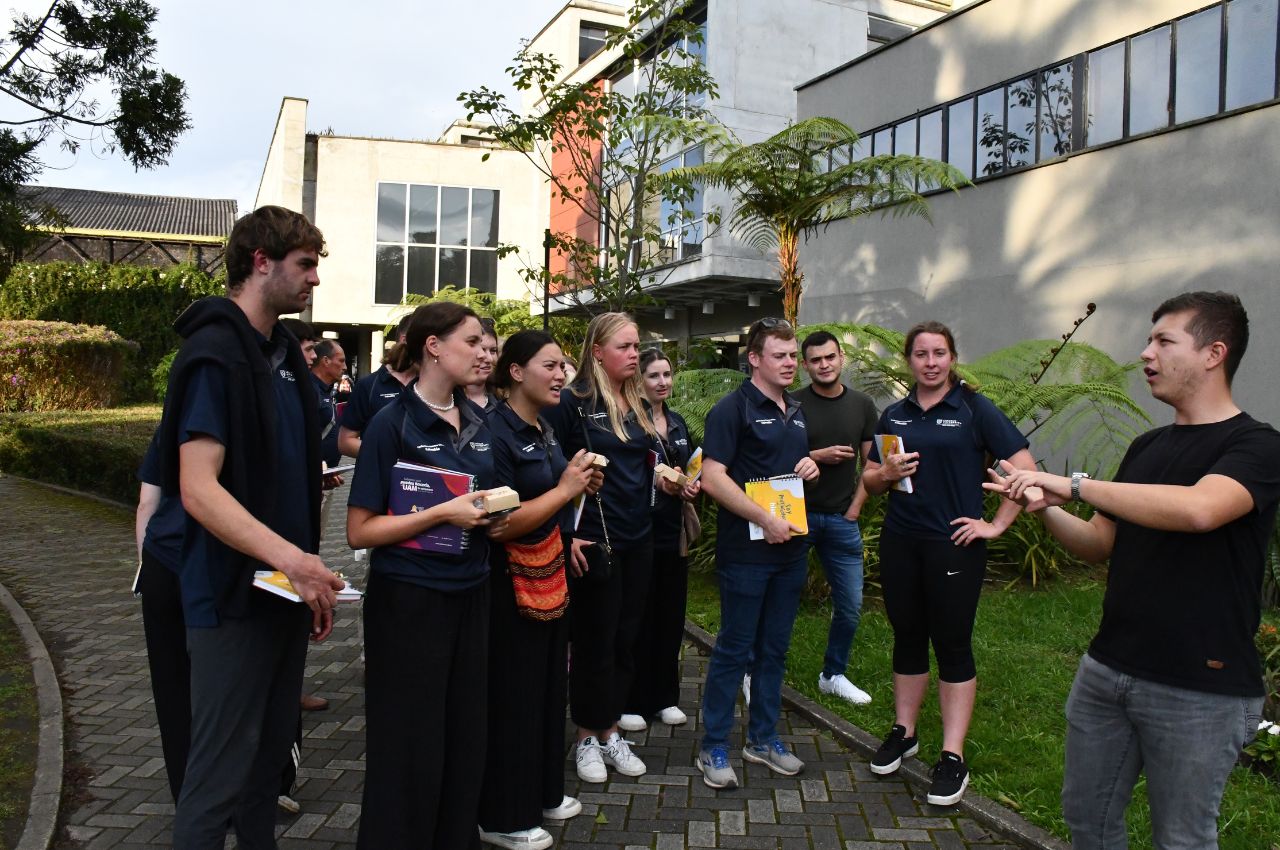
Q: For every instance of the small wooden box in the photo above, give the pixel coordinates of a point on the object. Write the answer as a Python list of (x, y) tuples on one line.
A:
[(501, 500), (671, 474)]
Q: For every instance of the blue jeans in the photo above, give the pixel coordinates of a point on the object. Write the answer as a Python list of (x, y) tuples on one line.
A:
[(839, 544), (1186, 741), (758, 604)]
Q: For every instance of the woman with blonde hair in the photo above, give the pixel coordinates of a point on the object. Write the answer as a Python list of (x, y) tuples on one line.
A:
[(611, 550)]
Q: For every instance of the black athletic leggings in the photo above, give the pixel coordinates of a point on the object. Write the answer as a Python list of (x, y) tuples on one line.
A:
[(931, 590)]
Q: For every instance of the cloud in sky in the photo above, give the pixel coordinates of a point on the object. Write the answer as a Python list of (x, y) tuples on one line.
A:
[(389, 68)]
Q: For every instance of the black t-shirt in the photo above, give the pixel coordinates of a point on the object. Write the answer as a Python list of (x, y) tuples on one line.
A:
[(1182, 608), (163, 538), (668, 514), (849, 419)]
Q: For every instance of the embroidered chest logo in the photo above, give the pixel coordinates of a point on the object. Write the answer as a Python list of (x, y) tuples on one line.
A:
[(529, 447), (287, 375), (430, 447), (765, 421), (387, 395), (900, 421), (478, 447), (949, 423)]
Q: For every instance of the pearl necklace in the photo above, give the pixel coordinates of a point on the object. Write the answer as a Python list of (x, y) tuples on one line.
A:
[(440, 408)]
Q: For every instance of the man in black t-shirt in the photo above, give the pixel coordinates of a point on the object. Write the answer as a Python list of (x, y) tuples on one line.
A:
[(1171, 685), (841, 422)]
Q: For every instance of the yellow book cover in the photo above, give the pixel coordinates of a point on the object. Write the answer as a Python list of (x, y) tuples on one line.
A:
[(891, 444), (694, 467), (782, 495), (274, 581)]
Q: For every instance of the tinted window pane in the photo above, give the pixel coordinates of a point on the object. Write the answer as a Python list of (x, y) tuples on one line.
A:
[(484, 271), (1196, 74), (931, 135), (691, 239), (859, 150), (1149, 81), (1106, 95), (484, 217), (960, 136), (991, 132), (422, 214), (590, 41), (904, 138), (388, 286), (694, 156), (1251, 51), (1020, 135), (883, 142), (453, 216), (1055, 111), (391, 214), (422, 271), (453, 268)]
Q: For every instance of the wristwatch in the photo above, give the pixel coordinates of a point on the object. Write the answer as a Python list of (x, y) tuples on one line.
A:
[(1076, 478)]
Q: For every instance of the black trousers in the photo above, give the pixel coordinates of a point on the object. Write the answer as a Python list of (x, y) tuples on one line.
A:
[(657, 654), (166, 634), (426, 678), (604, 622), (524, 768)]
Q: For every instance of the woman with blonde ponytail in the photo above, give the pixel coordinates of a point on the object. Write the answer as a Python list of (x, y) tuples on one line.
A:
[(610, 558)]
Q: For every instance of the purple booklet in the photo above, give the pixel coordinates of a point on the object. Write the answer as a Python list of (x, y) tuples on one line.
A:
[(415, 488)]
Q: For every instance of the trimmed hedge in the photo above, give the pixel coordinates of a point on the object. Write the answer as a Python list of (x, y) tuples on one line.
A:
[(56, 365), (96, 451), (137, 302)]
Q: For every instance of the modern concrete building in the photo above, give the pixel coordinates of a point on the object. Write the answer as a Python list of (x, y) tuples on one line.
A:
[(1120, 153)]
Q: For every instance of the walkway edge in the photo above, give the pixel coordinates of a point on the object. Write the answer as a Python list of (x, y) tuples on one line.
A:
[(46, 790), (986, 812)]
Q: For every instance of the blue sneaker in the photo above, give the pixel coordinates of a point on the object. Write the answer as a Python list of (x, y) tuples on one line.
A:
[(716, 772), (775, 756)]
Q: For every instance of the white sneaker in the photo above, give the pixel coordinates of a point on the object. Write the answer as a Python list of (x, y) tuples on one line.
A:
[(590, 761), (288, 804), (840, 686), (673, 716), (746, 690), (569, 807), (524, 839), (617, 752), (632, 723)]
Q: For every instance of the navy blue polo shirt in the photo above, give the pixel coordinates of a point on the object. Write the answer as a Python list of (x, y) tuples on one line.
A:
[(674, 451), (328, 441), (204, 413), (528, 460), (626, 495), (748, 433), (408, 430), (163, 537), (953, 438), (370, 394)]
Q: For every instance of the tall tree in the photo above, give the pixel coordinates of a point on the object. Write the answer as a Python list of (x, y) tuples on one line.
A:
[(802, 179), (82, 71), (598, 143)]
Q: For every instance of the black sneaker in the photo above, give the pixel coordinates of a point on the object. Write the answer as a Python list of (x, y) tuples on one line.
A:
[(950, 778), (895, 748)]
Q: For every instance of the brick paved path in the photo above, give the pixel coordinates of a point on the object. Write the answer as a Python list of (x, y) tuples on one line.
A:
[(69, 561)]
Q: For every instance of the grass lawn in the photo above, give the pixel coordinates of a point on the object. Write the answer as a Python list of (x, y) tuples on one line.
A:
[(1027, 644), (19, 727)]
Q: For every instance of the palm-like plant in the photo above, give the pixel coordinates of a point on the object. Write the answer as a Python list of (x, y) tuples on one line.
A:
[(802, 179)]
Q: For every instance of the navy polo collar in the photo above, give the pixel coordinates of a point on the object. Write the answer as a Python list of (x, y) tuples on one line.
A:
[(427, 419), (951, 399), (759, 399), (517, 423)]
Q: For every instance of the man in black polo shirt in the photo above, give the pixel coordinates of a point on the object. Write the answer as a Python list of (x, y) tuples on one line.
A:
[(841, 423), (757, 431), (239, 442), (1171, 685)]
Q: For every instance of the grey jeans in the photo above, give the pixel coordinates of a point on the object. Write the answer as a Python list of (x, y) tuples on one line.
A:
[(1187, 742)]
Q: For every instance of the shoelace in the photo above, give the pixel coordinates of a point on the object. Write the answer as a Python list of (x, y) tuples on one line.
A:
[(779, 747), (619, 747), (947, 769), (719, 757)]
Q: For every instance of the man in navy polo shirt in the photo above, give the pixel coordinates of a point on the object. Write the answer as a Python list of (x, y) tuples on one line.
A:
[(370, 394), (757, 431), (239, 440)]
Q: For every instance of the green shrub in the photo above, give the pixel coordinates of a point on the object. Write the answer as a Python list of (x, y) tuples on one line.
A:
[(139, 303), (96, 451), (160, 375), (56, 365)]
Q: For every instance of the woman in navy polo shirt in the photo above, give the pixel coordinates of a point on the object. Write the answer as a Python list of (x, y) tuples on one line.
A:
[(524, 773), (426, 614), (656, 687), (933, 553), (606, 402)]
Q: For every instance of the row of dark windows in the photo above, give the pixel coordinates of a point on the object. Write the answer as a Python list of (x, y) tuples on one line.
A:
[(1215, 60)]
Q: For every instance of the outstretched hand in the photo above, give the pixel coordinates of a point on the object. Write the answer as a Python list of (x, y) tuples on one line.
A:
[(1033, 489)]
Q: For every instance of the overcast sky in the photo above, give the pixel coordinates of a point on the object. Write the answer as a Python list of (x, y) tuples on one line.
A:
[(375, 68)]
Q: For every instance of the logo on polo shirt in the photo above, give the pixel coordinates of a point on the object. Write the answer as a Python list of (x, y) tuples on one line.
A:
[(430, 447), (799, 423), (287, 375), (765, 421), (900, 421), (388, 395), (950, 423), (682, 442), (529, 447), (478, 447)]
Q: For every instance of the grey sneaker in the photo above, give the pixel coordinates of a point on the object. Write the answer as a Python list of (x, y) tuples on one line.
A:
[(716, 772), (775, 756)]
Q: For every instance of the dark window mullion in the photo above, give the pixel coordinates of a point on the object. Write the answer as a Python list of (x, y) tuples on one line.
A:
[(1172, 102), (1276, 91), (973, 154), (1079, 101), (1222, 58), (1128, 88)]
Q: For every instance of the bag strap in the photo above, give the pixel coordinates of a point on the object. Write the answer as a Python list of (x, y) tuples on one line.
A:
[(586, 435)]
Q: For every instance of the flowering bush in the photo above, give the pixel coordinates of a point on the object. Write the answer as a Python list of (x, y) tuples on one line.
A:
[(60, 366), (1264, 752)]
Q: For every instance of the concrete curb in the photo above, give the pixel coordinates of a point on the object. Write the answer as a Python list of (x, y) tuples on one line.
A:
[(93, 497), (46, 790), (986, 812)]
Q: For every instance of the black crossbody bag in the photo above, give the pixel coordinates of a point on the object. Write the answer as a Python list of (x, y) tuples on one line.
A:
[(599, 556)]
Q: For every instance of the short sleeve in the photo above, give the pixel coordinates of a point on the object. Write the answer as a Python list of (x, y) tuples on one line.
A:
[(355, 416), (881, 427), (870, 417), (1253, 461), (149, 472), (204, 405), (562, 418), (379, 452), (722, 430), (504, 468), (997, 433)]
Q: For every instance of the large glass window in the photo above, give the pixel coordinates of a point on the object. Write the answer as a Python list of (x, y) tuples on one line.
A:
[(442, 236), (1196, 72), (683, 225), (991, 132), (1251, 52), (1149, 81), (960, 136), (931, 135), (904, 138), (882, 142), (1056, 111), (591, 40), (1020, 138), (1105, 71)]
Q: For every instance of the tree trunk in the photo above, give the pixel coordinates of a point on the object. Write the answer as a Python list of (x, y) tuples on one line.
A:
[(792, 279)]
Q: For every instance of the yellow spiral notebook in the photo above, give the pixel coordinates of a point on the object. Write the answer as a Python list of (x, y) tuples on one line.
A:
[(781, 495)]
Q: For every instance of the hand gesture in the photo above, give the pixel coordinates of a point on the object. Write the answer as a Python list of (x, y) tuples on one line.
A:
[(806, 469), (1031, 488), (318, 588), (577, 476), (467, 510), (971, 529), (899, 466), (833, 454), (577, 560), (691, 490)]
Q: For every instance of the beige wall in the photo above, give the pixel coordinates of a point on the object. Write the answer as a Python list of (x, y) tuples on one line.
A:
[(281, 182)]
